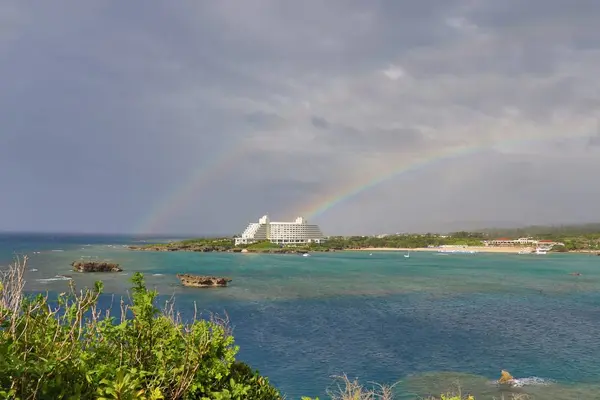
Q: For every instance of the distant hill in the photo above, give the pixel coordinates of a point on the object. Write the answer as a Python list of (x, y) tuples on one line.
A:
[(545, 230)]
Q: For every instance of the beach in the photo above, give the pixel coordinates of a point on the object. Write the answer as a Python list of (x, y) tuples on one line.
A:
[(479, 249)]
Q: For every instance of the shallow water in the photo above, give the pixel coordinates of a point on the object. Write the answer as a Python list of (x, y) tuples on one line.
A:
[(423, 321)]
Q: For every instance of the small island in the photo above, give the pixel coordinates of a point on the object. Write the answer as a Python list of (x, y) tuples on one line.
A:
[(95, 266), (202, 281)]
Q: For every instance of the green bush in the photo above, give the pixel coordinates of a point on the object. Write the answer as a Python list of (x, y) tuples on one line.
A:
[(75, 351), (263, 244)]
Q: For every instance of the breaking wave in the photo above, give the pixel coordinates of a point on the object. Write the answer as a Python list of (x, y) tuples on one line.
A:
[(531, 381), (56, 278)]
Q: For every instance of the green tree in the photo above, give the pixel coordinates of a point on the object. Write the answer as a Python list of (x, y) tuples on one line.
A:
[(74, 351)]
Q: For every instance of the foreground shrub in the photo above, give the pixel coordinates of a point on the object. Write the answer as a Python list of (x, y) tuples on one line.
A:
[(74, 351)]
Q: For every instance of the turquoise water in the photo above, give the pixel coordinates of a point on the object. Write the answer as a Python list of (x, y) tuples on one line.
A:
[(425, 321)]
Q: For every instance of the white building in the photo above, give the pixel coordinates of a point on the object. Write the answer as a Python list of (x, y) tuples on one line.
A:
[(521, 242), (297, 232)]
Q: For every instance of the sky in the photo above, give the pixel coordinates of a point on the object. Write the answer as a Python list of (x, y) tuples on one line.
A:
[(198, 117)]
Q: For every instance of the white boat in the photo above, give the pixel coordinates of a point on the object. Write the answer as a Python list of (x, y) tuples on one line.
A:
[(407, 255), (305, 255), (541, 251)]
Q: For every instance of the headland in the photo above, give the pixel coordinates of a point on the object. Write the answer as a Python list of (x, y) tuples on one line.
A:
[(405, 243), (297, 237)]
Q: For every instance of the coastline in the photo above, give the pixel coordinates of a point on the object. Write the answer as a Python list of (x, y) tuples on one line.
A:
[(291, 250), (479, 249)]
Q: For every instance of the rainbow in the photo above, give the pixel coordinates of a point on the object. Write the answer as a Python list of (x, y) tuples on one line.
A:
[(180, 197), (346, 192)]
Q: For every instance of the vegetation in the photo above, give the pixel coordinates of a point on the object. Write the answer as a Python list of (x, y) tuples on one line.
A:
[(332, 243), (575, 238), (546, 230), (199, 244), (72, 350), (400, 241), (262, 245)]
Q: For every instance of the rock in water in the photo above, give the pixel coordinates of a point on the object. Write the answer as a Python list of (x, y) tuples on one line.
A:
[(506, 378), (95, 266), (202, 281)]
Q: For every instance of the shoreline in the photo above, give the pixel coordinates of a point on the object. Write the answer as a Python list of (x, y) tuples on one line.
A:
[(478, 249), (291, 250)]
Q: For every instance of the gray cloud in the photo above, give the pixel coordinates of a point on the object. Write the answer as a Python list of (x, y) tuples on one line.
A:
[(354, 141), (115, 114), (261, 120), (594, 139), (319, 122)]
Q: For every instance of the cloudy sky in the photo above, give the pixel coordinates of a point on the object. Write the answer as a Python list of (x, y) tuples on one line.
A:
[(364, 116)]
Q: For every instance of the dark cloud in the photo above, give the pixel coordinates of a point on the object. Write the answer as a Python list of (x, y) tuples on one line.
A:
[(319, 122), (111, 113)]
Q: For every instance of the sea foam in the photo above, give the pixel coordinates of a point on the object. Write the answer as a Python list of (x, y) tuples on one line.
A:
[(56, 278)]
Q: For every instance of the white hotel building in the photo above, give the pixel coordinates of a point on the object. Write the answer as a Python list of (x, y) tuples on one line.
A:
[(297, 232)]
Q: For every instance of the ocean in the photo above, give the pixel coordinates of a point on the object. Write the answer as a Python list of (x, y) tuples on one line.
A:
[(426, 322)]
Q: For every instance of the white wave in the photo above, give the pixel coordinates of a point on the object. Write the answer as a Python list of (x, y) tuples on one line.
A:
[(530, 381), (33, 269), (157, 274), (58, 250), (56, 278)]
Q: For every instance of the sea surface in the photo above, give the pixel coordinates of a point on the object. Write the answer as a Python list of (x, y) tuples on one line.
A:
[(427, 322)]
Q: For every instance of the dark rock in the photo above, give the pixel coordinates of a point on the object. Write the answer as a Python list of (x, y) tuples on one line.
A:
[(95, 266), (203, 281)]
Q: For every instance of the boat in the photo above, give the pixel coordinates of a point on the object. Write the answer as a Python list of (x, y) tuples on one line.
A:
[(407, 255), (541, 251), (305, 255)]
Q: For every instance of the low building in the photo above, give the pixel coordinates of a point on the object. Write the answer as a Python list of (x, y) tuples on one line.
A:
[(524, 241), (500, 242), (296, 232)]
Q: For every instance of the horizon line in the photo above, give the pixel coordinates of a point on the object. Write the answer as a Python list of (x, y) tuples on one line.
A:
[(182, 235)]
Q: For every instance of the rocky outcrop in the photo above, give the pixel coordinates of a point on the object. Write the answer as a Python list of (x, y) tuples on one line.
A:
[(506, 378), (95, 266), (203, 281), (221, 249), (194, 248)]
